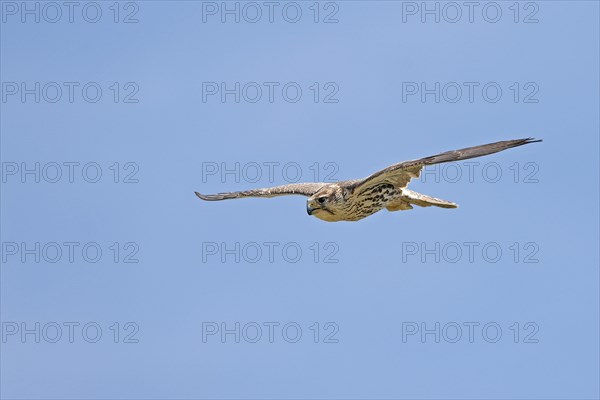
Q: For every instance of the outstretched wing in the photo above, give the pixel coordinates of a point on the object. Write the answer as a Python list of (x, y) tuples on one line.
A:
[(400, 174), (303, 189)]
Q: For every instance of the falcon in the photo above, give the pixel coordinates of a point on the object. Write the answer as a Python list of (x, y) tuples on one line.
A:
[(354, 200)]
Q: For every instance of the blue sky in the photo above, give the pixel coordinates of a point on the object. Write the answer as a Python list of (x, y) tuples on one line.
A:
[(496, 299)]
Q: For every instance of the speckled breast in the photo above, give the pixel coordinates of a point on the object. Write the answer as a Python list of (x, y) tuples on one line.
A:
[(370, 201)]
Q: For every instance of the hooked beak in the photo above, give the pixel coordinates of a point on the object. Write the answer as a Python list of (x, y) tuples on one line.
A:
[(309, 209)]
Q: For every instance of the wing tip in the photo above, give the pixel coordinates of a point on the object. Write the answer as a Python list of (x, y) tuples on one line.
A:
[(528, 140), (214, 197), (203, 197), (519, 142)]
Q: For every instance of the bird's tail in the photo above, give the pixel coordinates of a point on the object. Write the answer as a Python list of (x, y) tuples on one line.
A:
[(423, 200)]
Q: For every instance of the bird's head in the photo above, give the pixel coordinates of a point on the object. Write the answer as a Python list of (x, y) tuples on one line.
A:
[(328, 203)]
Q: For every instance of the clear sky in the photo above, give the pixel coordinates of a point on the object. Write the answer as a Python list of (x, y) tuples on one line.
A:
[(117, 282)]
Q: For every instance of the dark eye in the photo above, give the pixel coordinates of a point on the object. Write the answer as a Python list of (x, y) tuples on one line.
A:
[(321, 200)]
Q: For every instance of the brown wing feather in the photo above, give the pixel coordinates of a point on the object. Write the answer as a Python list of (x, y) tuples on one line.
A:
[(303, 189), (400, 174)]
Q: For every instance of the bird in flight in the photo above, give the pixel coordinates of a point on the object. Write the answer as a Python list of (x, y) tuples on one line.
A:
[(356, 199)]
